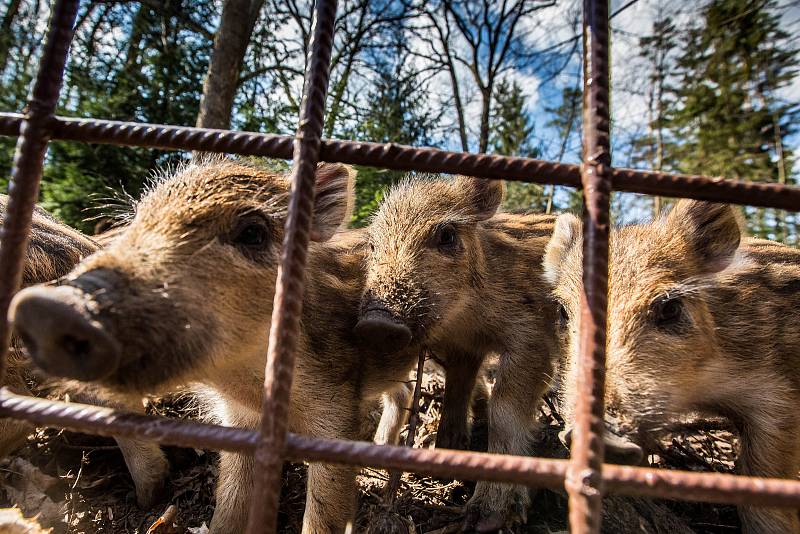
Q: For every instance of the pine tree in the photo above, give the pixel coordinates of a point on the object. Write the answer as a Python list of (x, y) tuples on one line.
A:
[(728, 119), (511, 134), (658, 49), (154, 73)]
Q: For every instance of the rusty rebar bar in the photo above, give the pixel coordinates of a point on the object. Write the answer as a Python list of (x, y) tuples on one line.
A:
[(537, 472), (23, 187), (584, 476), (263, 514), (584, 481), (401, 157), (104, 421)]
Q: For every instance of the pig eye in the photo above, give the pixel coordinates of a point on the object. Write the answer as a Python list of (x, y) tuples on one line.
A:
[(667, 312), (563, 316), (251, 233), (446, 237)]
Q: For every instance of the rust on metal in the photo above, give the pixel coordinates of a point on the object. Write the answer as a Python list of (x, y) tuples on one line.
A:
[(537, 472), (109, 422), (584, 482), (34, 133), (585, 476), (401, 157), (263, 515)]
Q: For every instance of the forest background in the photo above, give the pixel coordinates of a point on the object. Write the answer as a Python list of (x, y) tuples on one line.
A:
[(697, 87)]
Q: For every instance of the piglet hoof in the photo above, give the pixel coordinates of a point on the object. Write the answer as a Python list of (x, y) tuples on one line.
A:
[(497, 510), (148, 497), (151, 483)]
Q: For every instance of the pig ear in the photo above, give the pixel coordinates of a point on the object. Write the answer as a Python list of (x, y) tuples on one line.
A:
[(484, 196), (567, 234), (711, 231), (334, 199)]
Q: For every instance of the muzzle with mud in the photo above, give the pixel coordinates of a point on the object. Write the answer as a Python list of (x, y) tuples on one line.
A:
[(57, 324), (379, 329)]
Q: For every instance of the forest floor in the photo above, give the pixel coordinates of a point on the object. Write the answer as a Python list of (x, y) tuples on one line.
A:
[(79, 484)]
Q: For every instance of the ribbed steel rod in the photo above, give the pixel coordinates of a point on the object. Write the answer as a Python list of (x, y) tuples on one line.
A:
[(23, 187), (401, 157), (584, 481), (537, 472), (285, 327), (585, 476), (104, 421)]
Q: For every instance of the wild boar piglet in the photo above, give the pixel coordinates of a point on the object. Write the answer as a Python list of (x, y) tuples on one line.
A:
[(447, 271), (699, 320), (184, 294), (54, 249)]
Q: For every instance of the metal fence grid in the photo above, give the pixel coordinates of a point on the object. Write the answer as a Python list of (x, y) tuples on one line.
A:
[(585, 476)]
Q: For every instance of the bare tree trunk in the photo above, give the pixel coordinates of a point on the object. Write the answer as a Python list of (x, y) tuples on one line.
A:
[(658, 166), (338, 96), (486, 107), (444, 40), (219, 89), (780, 215), (573, 111), (659, 162), (462, 125), (338, 90), (6, 38)]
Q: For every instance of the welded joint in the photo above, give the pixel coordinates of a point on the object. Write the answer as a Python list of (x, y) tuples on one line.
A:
[(587, 482)]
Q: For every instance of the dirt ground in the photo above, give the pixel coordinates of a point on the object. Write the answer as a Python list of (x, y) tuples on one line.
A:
[(79, 484)]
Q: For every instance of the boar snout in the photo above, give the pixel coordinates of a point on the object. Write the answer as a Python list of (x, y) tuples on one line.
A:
[(380, 330), (618, 449), (60, 336)]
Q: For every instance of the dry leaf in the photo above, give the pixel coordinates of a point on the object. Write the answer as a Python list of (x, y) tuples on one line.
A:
[(27, 487)]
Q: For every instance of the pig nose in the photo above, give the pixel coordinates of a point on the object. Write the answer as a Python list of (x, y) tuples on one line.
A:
[(61, 338), (379, 330), (618, 449)]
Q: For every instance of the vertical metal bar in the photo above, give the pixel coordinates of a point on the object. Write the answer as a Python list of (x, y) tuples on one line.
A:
[(584, 477), (23, 188), (291, 277)]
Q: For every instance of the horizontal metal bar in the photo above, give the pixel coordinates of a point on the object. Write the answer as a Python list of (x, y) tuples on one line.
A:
[(704, 487), (536, 472), (392, 156), (159, 136), (108, 422), (280, 146)]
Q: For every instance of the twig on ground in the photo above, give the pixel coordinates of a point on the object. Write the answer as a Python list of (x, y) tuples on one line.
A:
[(394, 476), (72, 492), (166, 521)]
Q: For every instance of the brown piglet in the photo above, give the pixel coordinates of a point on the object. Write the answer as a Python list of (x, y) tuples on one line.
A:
[(699, 320), (447, 271), (54, 249), (184, 295)]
